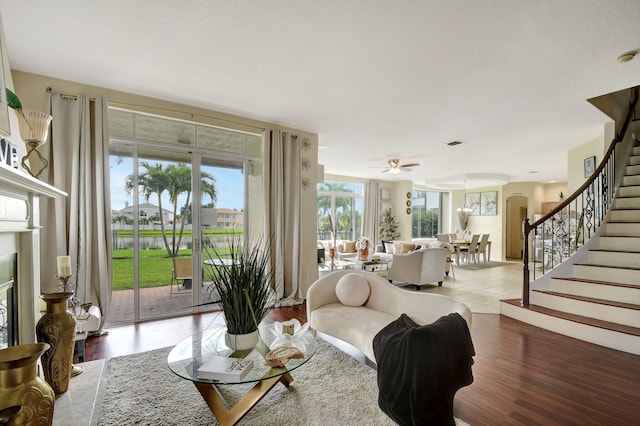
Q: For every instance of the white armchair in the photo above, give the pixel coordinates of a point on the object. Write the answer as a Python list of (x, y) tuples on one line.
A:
[(420, 267)]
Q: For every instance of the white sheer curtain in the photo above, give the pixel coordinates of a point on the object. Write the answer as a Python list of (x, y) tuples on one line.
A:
[(79, 225), (370, 214), (282, 218)]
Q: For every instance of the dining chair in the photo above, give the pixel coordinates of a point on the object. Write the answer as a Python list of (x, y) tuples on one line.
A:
[(443, 237), (469, 251), (482, 247)]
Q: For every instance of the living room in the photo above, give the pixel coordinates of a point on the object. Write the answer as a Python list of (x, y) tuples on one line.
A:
[(364, 155)]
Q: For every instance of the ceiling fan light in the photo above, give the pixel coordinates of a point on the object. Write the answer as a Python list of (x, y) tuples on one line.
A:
[(394, 171)]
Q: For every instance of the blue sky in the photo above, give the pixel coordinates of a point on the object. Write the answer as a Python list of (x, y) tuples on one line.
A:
[(229, 185)]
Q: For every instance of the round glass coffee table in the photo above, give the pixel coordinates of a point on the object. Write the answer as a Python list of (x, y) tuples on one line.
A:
[(188, 355)]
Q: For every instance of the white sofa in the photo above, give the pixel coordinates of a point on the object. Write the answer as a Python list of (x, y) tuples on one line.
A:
[(333, 307), (340, 246), (424, 266), (424, 244)]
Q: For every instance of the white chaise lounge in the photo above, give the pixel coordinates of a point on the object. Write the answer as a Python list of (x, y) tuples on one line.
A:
[(354, 306)]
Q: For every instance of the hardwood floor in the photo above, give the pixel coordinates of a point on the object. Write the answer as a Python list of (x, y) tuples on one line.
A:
[(523, 375)]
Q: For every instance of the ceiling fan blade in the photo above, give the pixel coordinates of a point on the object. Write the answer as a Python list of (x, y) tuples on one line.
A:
[(406, 169), (385, 171), (408, 165)]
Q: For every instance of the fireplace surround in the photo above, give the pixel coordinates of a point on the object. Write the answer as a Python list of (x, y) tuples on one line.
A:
[(20, 196), (8, 301)]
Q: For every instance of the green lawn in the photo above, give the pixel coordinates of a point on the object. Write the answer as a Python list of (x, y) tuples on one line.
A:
[(155, 268)]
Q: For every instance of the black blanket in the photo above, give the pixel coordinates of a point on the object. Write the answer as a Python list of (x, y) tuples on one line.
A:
[(420, 368)]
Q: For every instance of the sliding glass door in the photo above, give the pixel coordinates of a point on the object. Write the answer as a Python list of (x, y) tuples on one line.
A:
[(155, 231), (178, 188)]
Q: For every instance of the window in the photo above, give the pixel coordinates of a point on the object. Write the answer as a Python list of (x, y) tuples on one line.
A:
[(343, 202), (425, 213)]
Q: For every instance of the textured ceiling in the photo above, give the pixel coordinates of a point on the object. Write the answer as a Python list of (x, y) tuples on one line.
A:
[(374, 79)]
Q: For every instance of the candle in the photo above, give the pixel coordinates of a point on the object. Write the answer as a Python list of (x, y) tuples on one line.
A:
[(64, 266)]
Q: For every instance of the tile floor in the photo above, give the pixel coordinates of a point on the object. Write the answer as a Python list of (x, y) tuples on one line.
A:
[(481, 290), (80, 405)]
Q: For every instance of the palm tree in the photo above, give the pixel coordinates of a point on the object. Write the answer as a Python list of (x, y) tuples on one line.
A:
[(153, 181), (175, 180), (180, 183), (342, 212)]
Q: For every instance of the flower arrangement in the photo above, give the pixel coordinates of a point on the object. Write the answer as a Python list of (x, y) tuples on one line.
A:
[(363, 247), (363, 242)]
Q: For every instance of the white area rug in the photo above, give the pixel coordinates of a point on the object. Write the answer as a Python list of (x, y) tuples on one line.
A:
[(331, 389)]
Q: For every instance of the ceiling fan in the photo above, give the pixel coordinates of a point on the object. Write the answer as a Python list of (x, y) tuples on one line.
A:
[(395, 167)]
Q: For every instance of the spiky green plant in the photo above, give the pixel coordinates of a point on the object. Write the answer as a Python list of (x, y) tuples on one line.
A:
[(244, 285)]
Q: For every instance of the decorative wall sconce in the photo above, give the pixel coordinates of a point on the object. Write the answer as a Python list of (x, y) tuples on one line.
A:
[(34, 128)]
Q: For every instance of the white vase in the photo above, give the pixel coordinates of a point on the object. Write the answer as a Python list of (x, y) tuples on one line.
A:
[(240, 342)]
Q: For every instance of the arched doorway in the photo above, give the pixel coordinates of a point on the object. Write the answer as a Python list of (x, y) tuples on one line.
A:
[(516, 212)]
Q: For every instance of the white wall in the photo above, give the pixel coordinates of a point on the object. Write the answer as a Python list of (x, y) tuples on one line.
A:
[(576, 156)]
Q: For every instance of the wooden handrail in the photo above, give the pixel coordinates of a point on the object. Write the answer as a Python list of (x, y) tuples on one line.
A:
[(527, 227)]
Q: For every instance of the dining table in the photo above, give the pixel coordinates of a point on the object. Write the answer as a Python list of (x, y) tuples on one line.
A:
[(458, 244)]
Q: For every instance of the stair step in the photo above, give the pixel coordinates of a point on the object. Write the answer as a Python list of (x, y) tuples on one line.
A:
[(604, 333), (620, 258), (622, 274), (629, 191), (625, 293), (626, 203), (625, 215), (618, 242), (630, 180), (631, 229), (605, 310), (633, 331), (632, 170), (634, 160)]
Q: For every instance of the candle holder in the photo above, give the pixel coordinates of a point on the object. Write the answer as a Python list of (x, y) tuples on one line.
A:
[(66, 286)]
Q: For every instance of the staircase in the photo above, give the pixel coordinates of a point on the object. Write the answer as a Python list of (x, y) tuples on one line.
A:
[(600, 301)]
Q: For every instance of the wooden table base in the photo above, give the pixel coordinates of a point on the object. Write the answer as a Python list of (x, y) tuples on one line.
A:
[(227, 415)]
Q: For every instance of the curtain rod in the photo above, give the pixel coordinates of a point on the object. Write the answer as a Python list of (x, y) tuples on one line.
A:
[(72, 97), (193, 115)]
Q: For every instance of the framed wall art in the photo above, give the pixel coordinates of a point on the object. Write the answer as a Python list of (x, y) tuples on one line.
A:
[(589, 166), (489, 203), (472, 201)]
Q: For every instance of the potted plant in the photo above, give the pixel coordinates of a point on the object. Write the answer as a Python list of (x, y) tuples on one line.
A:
[(242, 279), (388, 226)]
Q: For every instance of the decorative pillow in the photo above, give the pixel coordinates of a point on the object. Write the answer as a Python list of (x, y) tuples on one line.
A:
[(349, 247), (389, 248), (353, 290), (405, 248), (396, 248)]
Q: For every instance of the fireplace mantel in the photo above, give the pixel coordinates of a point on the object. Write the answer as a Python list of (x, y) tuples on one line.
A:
[(16, 180), (20, 196)]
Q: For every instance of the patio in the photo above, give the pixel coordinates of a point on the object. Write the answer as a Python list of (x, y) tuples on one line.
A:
[(155, 302)]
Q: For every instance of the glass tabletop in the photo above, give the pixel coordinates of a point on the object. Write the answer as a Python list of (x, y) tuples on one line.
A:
[(188, 355)]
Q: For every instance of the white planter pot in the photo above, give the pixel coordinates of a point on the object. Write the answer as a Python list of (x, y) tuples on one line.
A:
[(240, 342)]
